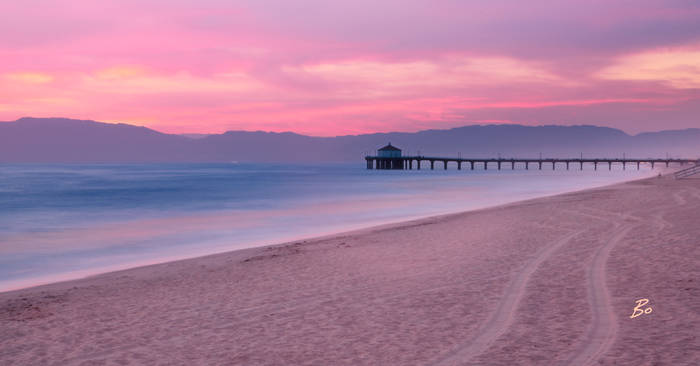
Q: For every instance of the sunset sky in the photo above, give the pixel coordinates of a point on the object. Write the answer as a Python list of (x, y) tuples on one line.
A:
[(346, 67)]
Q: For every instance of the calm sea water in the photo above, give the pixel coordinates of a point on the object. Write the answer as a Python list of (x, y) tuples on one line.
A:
[(65, 221)]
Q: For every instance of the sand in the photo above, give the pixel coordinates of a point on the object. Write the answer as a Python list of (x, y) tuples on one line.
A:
[(551, 281)]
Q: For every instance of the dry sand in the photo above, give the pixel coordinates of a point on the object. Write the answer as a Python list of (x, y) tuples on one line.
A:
[(550, 281)]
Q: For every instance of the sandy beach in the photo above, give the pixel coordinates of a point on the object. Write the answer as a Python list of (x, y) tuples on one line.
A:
[(550, 281)]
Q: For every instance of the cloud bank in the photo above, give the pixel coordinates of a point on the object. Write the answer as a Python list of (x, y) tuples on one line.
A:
[(331, 68)]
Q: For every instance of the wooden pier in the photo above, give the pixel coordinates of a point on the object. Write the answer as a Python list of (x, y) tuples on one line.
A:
[(408, 162)]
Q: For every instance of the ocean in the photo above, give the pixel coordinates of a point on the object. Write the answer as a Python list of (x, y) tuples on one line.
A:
[(65, 221)]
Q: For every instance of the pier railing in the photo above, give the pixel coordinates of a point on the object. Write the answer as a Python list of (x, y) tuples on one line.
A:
[(407, 162), (687, 172)]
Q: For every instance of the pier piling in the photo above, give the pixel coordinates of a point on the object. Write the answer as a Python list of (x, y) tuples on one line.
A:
[(406, 162)]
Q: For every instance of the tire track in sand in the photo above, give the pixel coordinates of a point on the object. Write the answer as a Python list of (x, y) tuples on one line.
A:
[(695, 192), (502, 318), (680, 200), (603, 331)]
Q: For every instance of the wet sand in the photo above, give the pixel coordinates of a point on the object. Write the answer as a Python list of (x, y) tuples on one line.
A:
[(550, 281)]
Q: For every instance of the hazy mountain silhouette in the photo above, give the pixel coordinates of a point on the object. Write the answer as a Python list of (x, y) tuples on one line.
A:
[(78, 141)]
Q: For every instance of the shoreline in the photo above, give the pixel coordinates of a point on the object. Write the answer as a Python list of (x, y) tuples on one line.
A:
[(549, 280), (319, 235)]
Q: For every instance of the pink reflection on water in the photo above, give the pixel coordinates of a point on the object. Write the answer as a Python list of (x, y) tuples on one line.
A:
[(130, 232)]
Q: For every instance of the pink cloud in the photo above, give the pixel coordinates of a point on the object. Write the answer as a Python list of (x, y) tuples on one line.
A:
[(328, 68)]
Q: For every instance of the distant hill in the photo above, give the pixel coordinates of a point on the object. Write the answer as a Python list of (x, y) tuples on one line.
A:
[(79, 141)]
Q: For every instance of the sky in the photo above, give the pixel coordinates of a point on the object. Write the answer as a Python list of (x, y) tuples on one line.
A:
[(329, 68)]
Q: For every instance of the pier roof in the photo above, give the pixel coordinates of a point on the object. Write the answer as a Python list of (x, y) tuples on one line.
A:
[(389, 148)]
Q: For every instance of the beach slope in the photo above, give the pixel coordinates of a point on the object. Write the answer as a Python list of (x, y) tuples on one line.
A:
[(540, 282)]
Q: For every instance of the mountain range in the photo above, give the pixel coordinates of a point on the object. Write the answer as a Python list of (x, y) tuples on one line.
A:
[(62, 140)]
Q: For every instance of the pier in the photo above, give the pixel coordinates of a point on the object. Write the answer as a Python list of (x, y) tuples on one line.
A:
[(427, 162), (390, 158)]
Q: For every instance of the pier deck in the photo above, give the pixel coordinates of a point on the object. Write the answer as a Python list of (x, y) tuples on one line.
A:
[(407, 162)]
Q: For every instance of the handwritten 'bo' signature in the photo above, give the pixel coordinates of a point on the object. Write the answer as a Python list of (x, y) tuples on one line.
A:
[(638, 309)]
